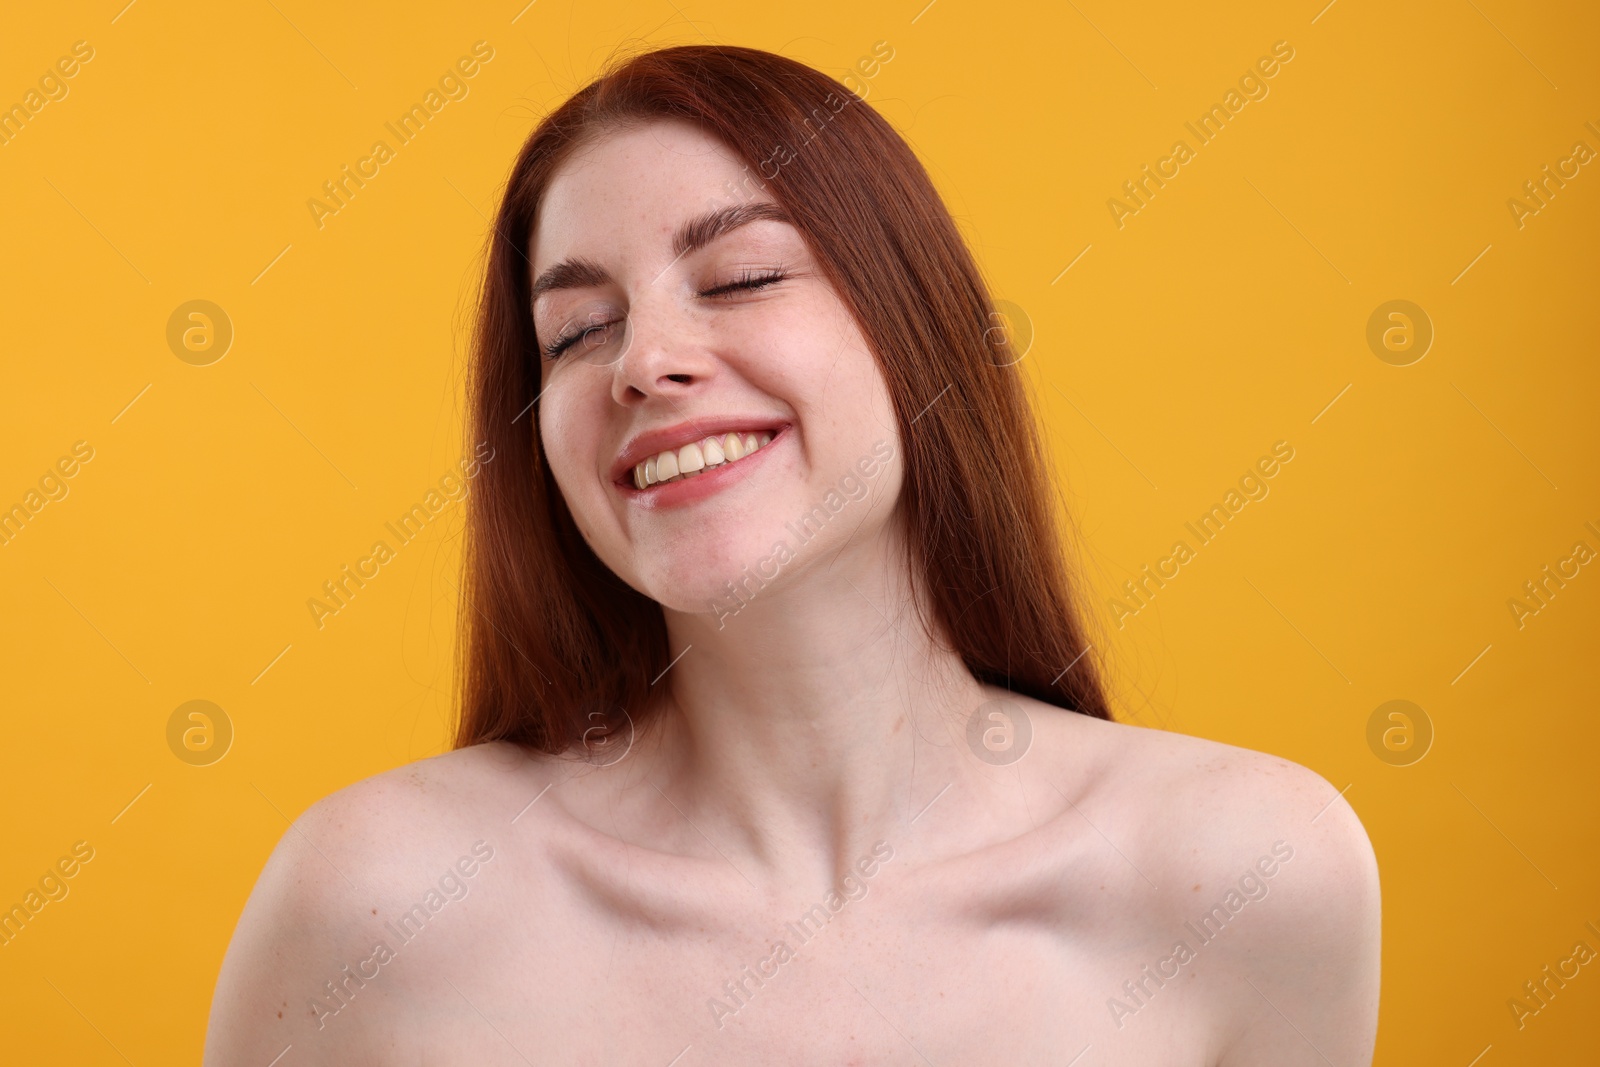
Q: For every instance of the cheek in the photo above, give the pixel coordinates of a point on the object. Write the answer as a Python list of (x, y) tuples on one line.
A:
[(565, 439), (854, 398), (816, 356)]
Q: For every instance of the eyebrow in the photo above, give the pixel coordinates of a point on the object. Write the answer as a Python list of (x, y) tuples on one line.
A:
[(579, 273)]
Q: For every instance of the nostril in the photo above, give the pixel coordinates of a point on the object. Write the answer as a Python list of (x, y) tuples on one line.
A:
[(681, 379)]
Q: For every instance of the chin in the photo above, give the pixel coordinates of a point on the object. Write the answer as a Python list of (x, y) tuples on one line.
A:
[(719, 577)]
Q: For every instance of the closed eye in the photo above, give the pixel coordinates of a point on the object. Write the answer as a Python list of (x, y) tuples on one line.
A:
[(554, 349), (749, 280)]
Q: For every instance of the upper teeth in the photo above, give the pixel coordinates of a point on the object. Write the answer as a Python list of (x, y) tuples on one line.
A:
[(696, 457)]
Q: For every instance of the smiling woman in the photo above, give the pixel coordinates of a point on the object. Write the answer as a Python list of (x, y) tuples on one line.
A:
[(851, 252), (671, 364)]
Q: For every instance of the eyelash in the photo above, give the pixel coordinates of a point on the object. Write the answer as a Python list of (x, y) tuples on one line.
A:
[(749, 280)]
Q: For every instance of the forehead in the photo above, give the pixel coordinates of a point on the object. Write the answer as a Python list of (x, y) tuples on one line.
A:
[(630, 185)]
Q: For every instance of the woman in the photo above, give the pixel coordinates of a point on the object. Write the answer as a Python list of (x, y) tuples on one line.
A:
[(781, 741)]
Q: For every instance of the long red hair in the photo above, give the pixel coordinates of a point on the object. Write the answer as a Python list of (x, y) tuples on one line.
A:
[(552, 642)]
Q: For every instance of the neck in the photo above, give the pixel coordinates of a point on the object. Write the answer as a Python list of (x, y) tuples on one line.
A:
[(815, 722)]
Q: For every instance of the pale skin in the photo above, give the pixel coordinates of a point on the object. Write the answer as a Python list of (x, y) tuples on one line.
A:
[(1027, 911)]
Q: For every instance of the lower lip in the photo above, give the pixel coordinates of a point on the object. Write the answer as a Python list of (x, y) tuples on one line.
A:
[(714, 480)]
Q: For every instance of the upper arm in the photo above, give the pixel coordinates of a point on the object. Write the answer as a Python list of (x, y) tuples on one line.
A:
[(301, 917), (1304, 983)]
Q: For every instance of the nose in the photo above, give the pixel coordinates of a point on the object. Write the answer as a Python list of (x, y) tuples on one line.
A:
[(663, 352)]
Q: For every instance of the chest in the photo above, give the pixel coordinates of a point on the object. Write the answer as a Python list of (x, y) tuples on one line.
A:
[(884, 980)]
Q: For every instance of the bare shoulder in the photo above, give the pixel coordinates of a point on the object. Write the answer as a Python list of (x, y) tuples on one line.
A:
[(1215, 793), (347, 890), (1260, 856)]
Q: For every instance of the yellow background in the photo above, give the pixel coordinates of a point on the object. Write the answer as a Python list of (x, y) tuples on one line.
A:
[(1226, 315)]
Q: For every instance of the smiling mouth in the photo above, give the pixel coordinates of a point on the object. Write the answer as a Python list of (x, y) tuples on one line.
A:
[(697, 458)]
